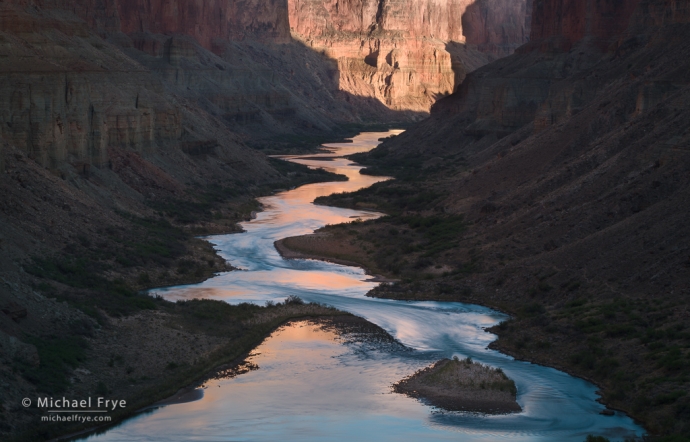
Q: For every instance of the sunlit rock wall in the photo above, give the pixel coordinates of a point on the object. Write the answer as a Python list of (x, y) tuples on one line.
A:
[(398, 51)]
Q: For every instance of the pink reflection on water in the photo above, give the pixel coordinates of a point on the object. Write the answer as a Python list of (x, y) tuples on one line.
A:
[(301, 365), (313, 280)]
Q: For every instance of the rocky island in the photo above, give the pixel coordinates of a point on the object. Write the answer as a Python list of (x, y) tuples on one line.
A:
[(462, 385)]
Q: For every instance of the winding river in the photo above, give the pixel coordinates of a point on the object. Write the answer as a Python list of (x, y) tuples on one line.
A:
[(311, 385)]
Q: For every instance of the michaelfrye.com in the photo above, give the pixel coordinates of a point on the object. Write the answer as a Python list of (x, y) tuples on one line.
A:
[(62, 409)]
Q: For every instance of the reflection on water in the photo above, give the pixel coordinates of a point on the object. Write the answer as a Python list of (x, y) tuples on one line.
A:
[(310, 386)]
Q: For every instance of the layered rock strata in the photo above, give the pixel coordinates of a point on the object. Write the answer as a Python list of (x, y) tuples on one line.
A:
[(208, 22), (409, 54), (570, 21), (80, 78)]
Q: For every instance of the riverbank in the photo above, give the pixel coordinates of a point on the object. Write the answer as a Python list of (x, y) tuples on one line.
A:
[(186, 343), (423, 325), (321, 246), (462, 385), (522, 337), (74, 315)]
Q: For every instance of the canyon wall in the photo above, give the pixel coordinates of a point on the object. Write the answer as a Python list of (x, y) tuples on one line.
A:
[(204, 20), (208, 21), (542, 89), (573, 20), (68, 97), (569, 161), (81, 78), (408, 54)]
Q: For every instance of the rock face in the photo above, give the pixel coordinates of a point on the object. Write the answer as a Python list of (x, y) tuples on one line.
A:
[(522, 90), (207, 21), (572, 20), (82, 78), (407, 54), (497, 26)]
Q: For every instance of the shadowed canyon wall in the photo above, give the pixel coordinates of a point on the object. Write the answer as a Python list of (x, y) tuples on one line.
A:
[(407, 54), (572, 20), (208, 21), (570, 161), (538, 86), (82, 78), (204, 20)]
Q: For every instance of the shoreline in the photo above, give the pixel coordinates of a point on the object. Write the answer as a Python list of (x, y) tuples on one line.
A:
[(494, 345), (287, 253), (187, 383)]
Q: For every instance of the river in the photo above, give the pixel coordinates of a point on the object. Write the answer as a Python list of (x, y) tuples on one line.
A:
[(310, 385)]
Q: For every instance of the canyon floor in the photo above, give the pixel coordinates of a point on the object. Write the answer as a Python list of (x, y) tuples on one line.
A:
[(72, 282)]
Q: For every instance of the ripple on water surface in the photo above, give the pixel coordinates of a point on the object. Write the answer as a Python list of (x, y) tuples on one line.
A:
[(311, 385)]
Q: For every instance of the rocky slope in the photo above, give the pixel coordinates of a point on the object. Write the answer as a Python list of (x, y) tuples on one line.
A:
[(118, 145), (554, 185), (408, 54)]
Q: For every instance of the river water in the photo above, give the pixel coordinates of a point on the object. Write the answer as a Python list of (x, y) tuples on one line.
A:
[(310, 385)]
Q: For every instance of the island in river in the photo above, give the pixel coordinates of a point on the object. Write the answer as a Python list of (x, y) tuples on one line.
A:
[(462, 385)]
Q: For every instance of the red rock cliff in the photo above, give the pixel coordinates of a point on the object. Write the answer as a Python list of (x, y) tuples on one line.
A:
[(405, 53), (207, 20), (573, 20), (204, 20), (409, 53)]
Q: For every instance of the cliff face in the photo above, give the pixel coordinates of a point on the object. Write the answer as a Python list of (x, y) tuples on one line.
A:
[(544, 89), (81, 77), (477, 22), (404, 53), (67, 96), (207, 21), (573, 20), (497, 26)]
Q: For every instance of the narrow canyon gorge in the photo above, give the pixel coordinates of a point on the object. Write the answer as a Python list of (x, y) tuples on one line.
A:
[(551, 134)]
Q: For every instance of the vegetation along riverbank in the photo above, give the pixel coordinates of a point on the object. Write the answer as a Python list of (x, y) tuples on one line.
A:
[(75, 321)]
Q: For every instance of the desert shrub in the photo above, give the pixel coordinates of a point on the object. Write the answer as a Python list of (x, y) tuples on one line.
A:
[(294, 300), (57, 358), (668, 398), (533, 309)]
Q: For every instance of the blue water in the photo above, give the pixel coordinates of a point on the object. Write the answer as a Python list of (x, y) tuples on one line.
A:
[(312, 386)]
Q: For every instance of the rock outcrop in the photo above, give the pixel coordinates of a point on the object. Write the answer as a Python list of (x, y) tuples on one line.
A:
[(408, 54)]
